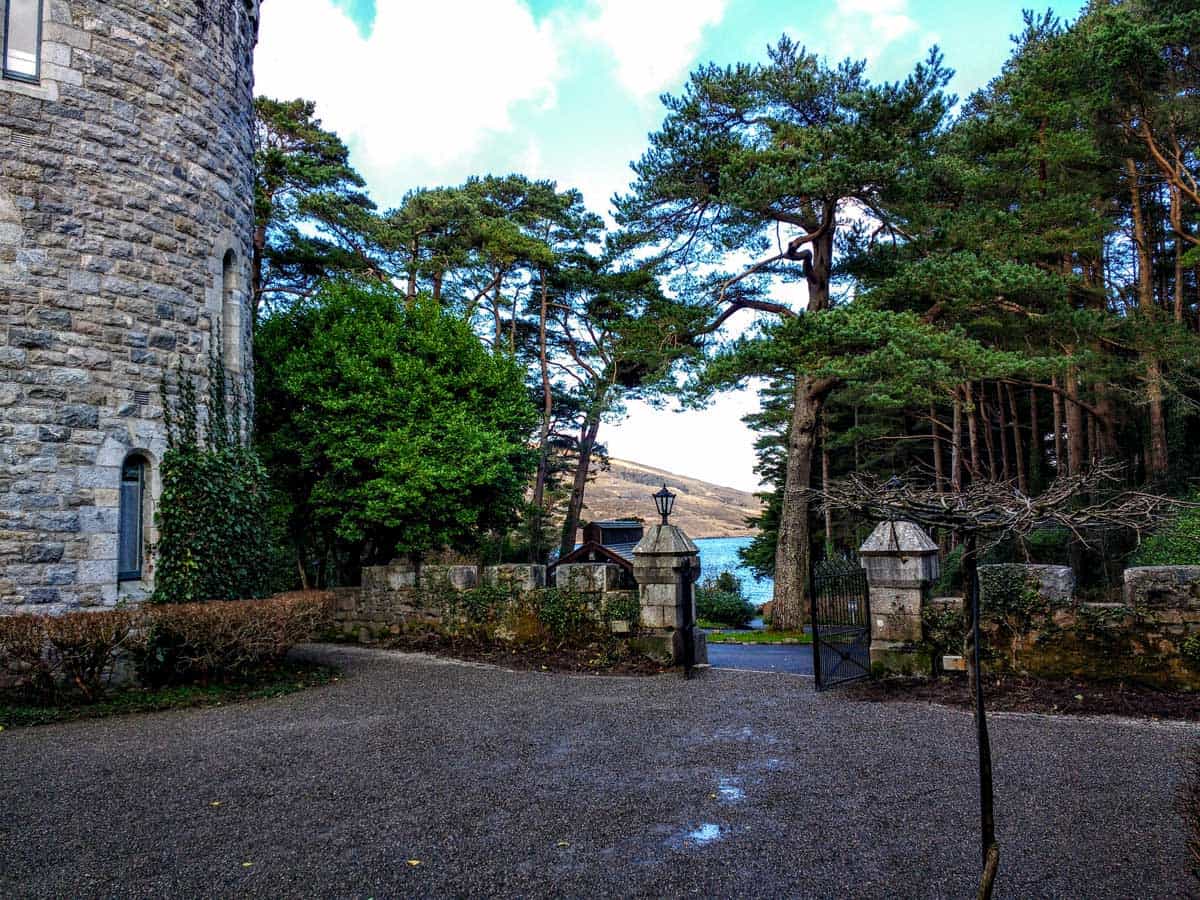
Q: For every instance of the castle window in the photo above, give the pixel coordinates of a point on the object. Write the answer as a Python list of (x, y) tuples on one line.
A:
[(22, 39), (129, 524), (231, 312)]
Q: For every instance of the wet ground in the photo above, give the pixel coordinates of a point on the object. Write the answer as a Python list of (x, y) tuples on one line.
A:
[(790, 659), (414, 776)]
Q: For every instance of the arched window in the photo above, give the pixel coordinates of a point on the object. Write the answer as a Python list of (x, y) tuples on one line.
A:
[(22, 39), (129, 524), (231, 312)]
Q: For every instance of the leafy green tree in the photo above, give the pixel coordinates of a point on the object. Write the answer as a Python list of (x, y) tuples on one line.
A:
[(389, 425)]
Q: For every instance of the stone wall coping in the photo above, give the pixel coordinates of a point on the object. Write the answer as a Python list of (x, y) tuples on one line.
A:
[(1184, 573)]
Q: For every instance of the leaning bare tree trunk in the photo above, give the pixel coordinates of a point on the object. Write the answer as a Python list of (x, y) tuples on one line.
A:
[(792, 551), (587, 442)]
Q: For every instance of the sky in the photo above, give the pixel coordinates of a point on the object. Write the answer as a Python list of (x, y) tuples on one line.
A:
[(429, 93)]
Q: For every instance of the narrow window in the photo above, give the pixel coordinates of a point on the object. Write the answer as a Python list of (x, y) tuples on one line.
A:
[(129, 538), (231, 312), (23, 39)]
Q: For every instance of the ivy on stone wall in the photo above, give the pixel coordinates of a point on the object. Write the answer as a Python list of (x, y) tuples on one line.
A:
[(215, 540)]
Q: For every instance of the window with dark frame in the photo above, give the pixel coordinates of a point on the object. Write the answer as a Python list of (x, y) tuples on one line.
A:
[(129, 521), (22, 59)]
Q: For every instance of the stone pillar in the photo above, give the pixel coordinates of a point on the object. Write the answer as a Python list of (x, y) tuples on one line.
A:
[(655, 559), (901, 562)]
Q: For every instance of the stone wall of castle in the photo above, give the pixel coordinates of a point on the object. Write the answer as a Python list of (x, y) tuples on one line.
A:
[(125, 240)]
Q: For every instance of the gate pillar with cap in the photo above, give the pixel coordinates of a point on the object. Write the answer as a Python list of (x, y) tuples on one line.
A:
[(902, 563), (663, 556)]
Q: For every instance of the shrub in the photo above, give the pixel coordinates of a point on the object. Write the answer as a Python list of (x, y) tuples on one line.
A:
[(23, 657), (225, 640), (77, 651), (84, 646), (1177, 543), (565, 615), (721, 600)]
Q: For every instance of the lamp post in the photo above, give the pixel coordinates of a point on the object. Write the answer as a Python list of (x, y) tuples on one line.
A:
[(664, 500)]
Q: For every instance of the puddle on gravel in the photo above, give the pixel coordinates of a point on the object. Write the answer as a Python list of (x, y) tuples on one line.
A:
[(700, 836), (729, 791)]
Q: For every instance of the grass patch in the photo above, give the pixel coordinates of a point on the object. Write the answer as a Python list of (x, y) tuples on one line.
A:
[(759, 637), (287, 679)]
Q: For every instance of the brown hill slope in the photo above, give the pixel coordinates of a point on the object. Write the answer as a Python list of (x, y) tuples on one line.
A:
[(701, 510)]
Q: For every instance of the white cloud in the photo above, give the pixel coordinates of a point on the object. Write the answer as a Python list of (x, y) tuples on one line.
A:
[(863, 28), (428, 85), (652, 41), (712, 444)]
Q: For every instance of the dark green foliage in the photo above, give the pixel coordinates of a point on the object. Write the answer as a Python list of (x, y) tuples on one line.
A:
[(944, 629), (721, 600), (1176, 544), (388, 426), (565, 614), (215, 540), (950, 582)]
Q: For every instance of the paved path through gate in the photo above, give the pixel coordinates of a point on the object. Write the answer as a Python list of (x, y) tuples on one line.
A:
[(791, 659)]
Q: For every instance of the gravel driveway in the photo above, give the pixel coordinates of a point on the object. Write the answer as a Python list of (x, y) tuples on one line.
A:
[(524, 784)]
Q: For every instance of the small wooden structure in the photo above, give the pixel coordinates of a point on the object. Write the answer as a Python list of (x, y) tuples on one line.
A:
[(611, 541)]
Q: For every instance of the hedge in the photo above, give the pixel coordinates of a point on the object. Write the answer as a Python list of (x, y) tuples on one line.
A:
[(47, 658)]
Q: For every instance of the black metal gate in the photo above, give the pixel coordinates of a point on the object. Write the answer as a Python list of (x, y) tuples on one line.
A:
[(841, 622)]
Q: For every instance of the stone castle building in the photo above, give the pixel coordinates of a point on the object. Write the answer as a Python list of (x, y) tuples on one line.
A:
[(125, 237)]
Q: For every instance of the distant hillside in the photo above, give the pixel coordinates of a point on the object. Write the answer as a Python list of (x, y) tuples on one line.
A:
[(701, 510)]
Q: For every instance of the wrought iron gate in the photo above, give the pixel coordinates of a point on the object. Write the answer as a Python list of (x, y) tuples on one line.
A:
[(841, 622)]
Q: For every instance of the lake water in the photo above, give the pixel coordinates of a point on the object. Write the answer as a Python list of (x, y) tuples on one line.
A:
[(721, 555)]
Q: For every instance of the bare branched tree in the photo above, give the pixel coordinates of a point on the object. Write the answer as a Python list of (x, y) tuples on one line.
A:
[(1082, 504)]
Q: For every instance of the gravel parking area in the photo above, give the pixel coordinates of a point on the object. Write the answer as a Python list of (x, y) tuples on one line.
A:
[(413, 776)]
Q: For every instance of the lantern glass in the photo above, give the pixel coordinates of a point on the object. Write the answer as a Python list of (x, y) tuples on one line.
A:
[(664, 501)]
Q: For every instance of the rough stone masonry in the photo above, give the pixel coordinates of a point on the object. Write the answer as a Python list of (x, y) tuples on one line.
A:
[(125, 239)]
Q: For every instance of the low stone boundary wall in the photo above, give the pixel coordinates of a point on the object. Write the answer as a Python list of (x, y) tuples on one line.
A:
[(1035, 624), (401, 596)]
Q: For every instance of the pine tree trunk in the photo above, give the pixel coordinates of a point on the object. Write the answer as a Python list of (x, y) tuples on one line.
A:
[(956, 445), (793, 551), (1036, 442), (1056, 403), (587, 442), (972, 431), (985, 421), (1076, 434), (1007, 464), (939, 471), (1157, 459), (543, 469), (1018, 449), (828, 511)]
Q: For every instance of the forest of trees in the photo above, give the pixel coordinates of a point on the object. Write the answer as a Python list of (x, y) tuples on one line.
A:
[(1004, 286)]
